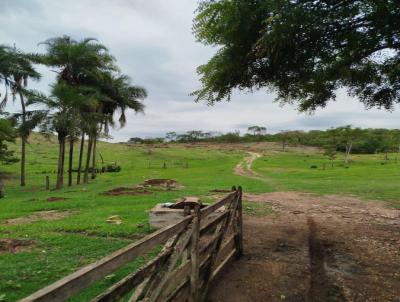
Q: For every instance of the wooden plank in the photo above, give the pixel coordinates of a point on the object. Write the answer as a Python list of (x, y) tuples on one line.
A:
[(225, 250), (182, 292), (179, 248), (213, 222), (194, 256), (239, 223), (223, 264), (212, 207), (68, 286), (126, 284), (210, 265)]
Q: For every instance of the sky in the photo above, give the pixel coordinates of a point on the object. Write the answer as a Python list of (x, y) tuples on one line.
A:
[(153, 43)]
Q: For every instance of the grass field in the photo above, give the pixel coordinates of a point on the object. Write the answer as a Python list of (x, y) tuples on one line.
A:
[(59, 247), (367, 176)]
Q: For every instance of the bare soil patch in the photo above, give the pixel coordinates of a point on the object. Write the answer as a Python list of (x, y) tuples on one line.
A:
[(127, 191), (41, 215), (53, 199), (161, 183), (322, 249), (15, 245), (220, 191)]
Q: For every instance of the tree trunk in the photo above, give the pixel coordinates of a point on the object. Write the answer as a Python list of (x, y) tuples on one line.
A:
[(23, 142), (71, 154), (78, 179), (348, 150), (1, 188), (61, 157), (94, 171), (89, 152), (23, 160)]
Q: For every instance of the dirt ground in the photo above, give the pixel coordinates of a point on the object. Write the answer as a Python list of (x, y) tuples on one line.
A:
[(40, 215), (316, 249)]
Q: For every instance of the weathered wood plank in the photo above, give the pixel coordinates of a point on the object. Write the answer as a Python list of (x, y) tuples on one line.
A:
[(212, 207), (179, 248), (239, 223), (212, 223), (126, 284), (194, 256), (66, 287), (223, 265)]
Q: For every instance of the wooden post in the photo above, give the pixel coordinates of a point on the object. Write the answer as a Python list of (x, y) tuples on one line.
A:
[(47, 183), (194, 256), (239, 235)]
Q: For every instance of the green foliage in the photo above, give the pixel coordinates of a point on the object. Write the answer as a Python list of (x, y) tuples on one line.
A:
[(303, 49), (7, 134)]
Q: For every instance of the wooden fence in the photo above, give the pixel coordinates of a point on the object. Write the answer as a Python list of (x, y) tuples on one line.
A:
[(194, 251)]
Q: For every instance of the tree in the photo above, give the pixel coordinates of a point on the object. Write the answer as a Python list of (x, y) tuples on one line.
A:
[(79, 64), (171, 136), (344, 138), (117, 95), (257, 130), (16, 78), (28, 120), (303, 49), (7, 134)]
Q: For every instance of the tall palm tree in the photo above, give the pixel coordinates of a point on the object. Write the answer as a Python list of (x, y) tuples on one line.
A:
[(64, 106), (78, 63), (118, 95), (15, 76)]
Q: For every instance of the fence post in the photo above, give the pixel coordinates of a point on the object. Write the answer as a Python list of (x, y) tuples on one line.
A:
[(239, 223), (194, 256), (47, 183)]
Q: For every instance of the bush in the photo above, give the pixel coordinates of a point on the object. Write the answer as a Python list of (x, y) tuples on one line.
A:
[(314, 167), (112, 168)]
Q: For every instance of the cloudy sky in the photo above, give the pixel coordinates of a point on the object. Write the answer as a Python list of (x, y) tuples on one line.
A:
[(153, 43)]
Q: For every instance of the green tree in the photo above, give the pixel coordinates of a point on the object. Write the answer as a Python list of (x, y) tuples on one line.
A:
[(20, 70), (303, 49), (7, 134), (28, 120), (257, 130)]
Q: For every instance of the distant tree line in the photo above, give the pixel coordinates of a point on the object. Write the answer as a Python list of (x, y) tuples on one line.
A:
[(88, 93), (344, 139)]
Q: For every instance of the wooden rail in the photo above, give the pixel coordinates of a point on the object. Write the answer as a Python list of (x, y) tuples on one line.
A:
[(195, 250)]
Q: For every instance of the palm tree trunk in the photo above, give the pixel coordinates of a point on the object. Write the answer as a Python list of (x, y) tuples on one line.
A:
[(78, 179), (1, 188), (61, 156), (94, 171), (89, 152), (23, 160), (71, 154), (23, 142)]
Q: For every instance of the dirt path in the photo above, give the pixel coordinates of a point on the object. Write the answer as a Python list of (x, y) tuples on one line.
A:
[(244, 167), (316, 249)]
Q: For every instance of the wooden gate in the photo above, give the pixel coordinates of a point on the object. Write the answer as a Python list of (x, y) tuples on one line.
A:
[(194, 251)]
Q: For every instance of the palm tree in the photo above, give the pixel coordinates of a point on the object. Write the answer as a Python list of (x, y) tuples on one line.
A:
[(64, 105), (78, 63), (16, 75), (118, 95), (7, 134)]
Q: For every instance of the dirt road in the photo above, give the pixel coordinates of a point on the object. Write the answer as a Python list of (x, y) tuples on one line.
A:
[(320, 249)]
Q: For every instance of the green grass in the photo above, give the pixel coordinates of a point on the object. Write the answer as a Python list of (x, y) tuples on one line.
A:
[(62, 246), (257, 208), (366, 176)]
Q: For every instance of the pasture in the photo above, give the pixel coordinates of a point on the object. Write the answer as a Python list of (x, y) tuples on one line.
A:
[(49, 234)]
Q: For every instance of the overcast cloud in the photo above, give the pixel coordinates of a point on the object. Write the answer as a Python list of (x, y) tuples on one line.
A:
[(154, 45)]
